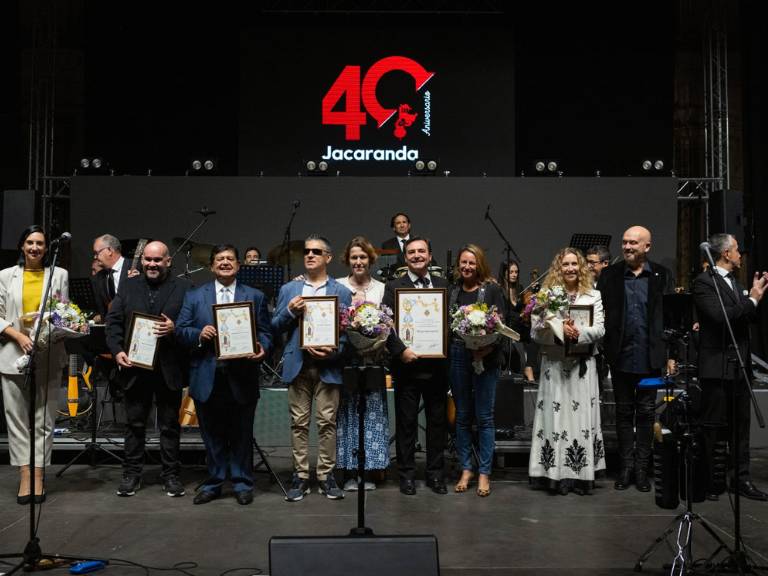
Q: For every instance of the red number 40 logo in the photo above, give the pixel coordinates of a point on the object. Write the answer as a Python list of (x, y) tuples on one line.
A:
[(348, 85)]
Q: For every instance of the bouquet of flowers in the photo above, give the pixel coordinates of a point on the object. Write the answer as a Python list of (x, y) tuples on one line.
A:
[(367, 326), (478, 326), (546, 305), (61, 319)]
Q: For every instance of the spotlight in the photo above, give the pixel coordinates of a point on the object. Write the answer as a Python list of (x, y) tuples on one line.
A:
[(322, 166), (419, 165), (431, 165), (658, 165), (650, 166), (311, 166), (424, 168), (546, 167), (202, 166), (552, 166), (647, 165), (315, 168), (540, 166), (93, 165)]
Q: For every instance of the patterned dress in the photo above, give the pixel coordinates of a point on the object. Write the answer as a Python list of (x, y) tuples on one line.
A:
[(567, 441), (376, 422)]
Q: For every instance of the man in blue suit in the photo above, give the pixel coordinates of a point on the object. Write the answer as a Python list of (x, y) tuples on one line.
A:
[(311, 373), (225, 391)]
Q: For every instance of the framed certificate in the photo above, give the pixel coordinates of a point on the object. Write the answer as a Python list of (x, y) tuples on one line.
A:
[(421, 320), (582, 316), (235, 330), (319, 325), (142, 340)]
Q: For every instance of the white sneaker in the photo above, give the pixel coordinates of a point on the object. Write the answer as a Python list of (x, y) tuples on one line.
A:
[(370, 486), (350, 485)]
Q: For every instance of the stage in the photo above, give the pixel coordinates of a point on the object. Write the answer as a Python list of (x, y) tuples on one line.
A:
[(515, 531)]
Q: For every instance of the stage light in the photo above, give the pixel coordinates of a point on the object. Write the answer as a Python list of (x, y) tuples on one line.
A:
[(311, 166), (540, 166), (431, 165), (420, 165), (315, 168), (202, 166), (546, 167), (658, 165), (93, 165), (552, 166), (424, 168), (650, 166), (647, 165), (322, 166)]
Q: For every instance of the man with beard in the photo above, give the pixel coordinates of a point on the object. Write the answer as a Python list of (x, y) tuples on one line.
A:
[(417, 378), (632, 293), (158, 293), (719, 370)]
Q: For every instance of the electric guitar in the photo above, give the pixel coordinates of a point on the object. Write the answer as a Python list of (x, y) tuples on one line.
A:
[(78, 387)]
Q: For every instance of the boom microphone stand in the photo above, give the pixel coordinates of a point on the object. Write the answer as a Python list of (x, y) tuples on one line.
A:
[(33, 556), (205, 213), (287, 237)]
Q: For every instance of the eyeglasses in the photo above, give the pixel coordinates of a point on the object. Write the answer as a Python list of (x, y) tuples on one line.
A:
[(99, 251), (315, 251)]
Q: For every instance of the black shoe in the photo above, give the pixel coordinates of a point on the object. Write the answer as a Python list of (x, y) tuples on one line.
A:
[(299, 488), (129, 485), (437, 485), (749, 490), (244, 497), (565, 487), (408, 487), (24, 500), (39, 498), (173, 487), (204, 496), (712, 496), (641, 481), (330, 489), (623, 480)]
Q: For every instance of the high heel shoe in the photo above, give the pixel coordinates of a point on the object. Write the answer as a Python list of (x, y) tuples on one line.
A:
[(23, 500), (25, 486)]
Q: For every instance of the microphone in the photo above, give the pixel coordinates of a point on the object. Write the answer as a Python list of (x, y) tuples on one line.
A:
[(706, 248), (65, 237), (487, 211), (296, 203), (204, 212)]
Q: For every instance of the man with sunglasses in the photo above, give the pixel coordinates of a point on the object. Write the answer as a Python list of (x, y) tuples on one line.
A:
[(311, 373), (158, 293)]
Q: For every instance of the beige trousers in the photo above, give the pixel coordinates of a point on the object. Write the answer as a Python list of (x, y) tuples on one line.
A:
[(306, 387)]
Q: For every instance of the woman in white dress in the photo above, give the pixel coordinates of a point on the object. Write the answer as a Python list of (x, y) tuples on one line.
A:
[(359, 255), (567, 442)]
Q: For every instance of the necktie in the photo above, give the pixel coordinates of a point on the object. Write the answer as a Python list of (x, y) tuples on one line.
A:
[(225, 296), (421, 283), (732, 281), (111, 284), (402, 244)]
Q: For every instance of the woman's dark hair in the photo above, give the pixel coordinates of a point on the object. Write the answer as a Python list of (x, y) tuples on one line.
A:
[(504, 276), (23, 238)]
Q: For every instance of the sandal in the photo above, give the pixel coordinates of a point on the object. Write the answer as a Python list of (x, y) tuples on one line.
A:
[(463, 484), (483, 492)]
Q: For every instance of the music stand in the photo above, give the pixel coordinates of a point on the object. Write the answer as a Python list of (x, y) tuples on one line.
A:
[(266, 278), (585, 241), (81, 293)]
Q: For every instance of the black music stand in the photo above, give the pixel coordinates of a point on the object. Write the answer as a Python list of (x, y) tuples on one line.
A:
[(266, 278), (81, 293), (585, 241)]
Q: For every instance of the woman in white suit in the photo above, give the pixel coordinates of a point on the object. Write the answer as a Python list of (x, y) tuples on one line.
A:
[(21, 292), (567, 441)]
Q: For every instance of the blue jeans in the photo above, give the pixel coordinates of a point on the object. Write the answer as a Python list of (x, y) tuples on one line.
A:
[(464, 382)]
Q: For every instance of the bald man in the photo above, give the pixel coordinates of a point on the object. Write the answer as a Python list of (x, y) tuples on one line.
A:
[(158, 293), (632, 293)]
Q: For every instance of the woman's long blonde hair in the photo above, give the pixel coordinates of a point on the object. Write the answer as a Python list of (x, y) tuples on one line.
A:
[(555, 276)]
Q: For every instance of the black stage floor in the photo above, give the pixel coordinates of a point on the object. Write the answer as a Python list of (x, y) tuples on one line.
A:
[(514, 531)]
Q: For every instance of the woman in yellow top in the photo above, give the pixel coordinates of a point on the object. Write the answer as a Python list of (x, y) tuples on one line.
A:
[(21, 292)]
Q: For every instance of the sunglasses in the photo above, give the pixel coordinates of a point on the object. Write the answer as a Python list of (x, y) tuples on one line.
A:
[(315, 251)]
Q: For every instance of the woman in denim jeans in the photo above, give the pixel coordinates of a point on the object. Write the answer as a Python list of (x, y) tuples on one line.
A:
[(474, 284)]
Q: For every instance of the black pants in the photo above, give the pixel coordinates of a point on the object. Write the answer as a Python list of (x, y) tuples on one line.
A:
[(138, 404), (408, 392), (716, 421), (634, 419)]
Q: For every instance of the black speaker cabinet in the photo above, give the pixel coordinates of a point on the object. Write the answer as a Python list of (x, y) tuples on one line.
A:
[(369, 555), (509, 402)]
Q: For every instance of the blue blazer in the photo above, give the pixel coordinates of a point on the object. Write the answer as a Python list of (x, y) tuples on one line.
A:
[(196, 313), (284, 321)]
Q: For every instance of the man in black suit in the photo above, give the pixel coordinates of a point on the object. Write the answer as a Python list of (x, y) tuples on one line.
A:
[(160, 294), (719, 370), (401, 225), (417, 378), (632, 293), (107, 251)]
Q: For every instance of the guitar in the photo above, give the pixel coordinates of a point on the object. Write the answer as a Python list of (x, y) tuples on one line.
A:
[(140, 245), (78, 387)]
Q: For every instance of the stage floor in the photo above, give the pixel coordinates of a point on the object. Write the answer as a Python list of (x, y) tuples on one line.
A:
[(514, 531)]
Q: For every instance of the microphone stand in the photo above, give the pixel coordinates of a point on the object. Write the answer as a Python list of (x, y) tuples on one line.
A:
[(738, 557), (33, 554), (287, 238), (507, 246), (205, 213)]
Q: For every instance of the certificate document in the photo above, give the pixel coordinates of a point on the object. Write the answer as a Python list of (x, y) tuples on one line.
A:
[(319, 325), (142, 340), (421, 320), (235, 330), (582, 315)]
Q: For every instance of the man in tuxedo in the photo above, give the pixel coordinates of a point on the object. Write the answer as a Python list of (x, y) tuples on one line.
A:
[(632, 293), (158, 293), (107, 251), (311, 373), (401, 226), (225, 391), (719, 371), (417, 378)]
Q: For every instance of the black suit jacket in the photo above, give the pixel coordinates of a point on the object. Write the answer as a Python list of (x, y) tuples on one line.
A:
[(101, 287), (171, 359), (394, 244), (611, 286), (395, 345), (714, 342)]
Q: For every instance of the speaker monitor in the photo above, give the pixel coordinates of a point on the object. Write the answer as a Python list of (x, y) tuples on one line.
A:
[(369, 555), (510, 410)]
